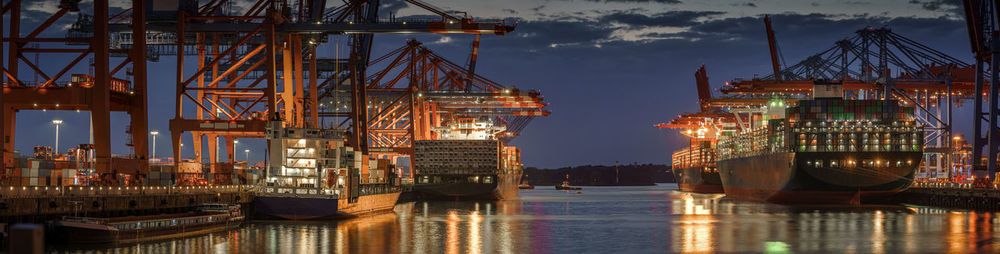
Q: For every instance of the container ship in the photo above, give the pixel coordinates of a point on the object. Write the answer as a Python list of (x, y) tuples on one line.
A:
[(467, 162), (826, 150), (312, 175)]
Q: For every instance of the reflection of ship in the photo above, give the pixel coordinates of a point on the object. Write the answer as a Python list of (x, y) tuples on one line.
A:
[(828, 150), (467, 162), (312, 175)]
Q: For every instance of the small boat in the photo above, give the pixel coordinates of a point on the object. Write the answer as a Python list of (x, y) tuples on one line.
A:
[(206, 219), (525, 186), (565, 186)]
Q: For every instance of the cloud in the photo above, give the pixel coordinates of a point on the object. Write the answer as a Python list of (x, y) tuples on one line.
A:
[(949, 7), (673, 19), (443, 40), (640, 1)]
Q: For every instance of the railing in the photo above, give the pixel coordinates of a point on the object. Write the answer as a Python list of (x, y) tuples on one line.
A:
[(296, 192), (50, 191), (373, 189), (945, 185)]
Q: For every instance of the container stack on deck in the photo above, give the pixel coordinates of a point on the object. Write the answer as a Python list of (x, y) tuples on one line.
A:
[(831, 110)]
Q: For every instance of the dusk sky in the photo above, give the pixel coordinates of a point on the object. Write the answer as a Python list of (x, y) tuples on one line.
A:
[(611, 69)]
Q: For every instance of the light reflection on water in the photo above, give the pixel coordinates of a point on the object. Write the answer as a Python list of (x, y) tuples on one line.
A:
[(606, 220)]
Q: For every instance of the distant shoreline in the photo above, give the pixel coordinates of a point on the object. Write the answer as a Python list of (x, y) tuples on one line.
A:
[(600, 175)]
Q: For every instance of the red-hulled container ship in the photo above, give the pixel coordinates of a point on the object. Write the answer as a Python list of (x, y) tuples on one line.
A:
[(822, 151)]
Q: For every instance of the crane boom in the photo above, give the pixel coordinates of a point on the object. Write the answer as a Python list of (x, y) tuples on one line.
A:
[(704, 94), (773, 46)]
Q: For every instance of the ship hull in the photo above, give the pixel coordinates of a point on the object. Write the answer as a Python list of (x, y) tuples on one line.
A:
[(295, 208), (456, 187), (81, 233), (695, 179), (790, 178), (302, 208)]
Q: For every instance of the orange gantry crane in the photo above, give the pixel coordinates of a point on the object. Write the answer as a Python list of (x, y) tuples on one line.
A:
[(105, 90), (253, 65), (416, 90)]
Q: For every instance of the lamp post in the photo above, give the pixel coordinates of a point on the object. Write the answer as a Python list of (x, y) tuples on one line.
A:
[(56, 122), (154, 133), (236, 147), (181, 153), (248, 155)]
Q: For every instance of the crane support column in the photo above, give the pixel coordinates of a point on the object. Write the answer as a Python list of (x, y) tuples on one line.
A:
[(100, 113), (140, 116), (991, 163)]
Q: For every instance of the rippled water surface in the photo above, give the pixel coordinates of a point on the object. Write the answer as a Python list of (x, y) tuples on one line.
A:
[(654, 219)]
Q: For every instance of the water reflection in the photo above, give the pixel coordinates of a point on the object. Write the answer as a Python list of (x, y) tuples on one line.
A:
[(607, 220)]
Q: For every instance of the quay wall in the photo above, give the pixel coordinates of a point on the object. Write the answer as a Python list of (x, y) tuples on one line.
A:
[(956, 196)]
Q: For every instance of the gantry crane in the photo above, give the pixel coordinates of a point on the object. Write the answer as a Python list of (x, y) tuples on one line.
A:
[(924, 78), (981, 19), (251, 64), (105, 90), (417, 90)]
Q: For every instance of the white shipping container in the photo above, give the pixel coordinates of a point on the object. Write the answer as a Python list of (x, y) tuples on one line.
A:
[(25, 172), (34, 164), (33, 181)]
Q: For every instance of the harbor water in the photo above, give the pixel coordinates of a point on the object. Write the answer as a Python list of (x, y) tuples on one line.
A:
[(654, 219)]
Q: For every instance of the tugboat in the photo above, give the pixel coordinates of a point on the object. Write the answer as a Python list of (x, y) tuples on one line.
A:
[(565, 185), (525, 186)]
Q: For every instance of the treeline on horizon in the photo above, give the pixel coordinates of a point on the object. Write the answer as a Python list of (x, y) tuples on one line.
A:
[(600, 175)]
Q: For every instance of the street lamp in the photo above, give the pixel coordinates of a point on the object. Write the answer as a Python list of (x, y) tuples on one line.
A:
[(181, 152), (57, 122), (154, 133), (236, 147), (248, 155)]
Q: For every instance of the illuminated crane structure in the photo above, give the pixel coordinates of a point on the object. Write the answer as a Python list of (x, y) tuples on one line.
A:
[(416, 90), (254, 65), (981, 19), (108, 88)]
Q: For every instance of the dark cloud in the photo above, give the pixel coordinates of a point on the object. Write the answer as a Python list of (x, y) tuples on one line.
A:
[(509, 11), (949, 7)]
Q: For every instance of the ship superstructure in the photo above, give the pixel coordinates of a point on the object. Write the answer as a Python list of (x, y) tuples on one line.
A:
[(312, 174)]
